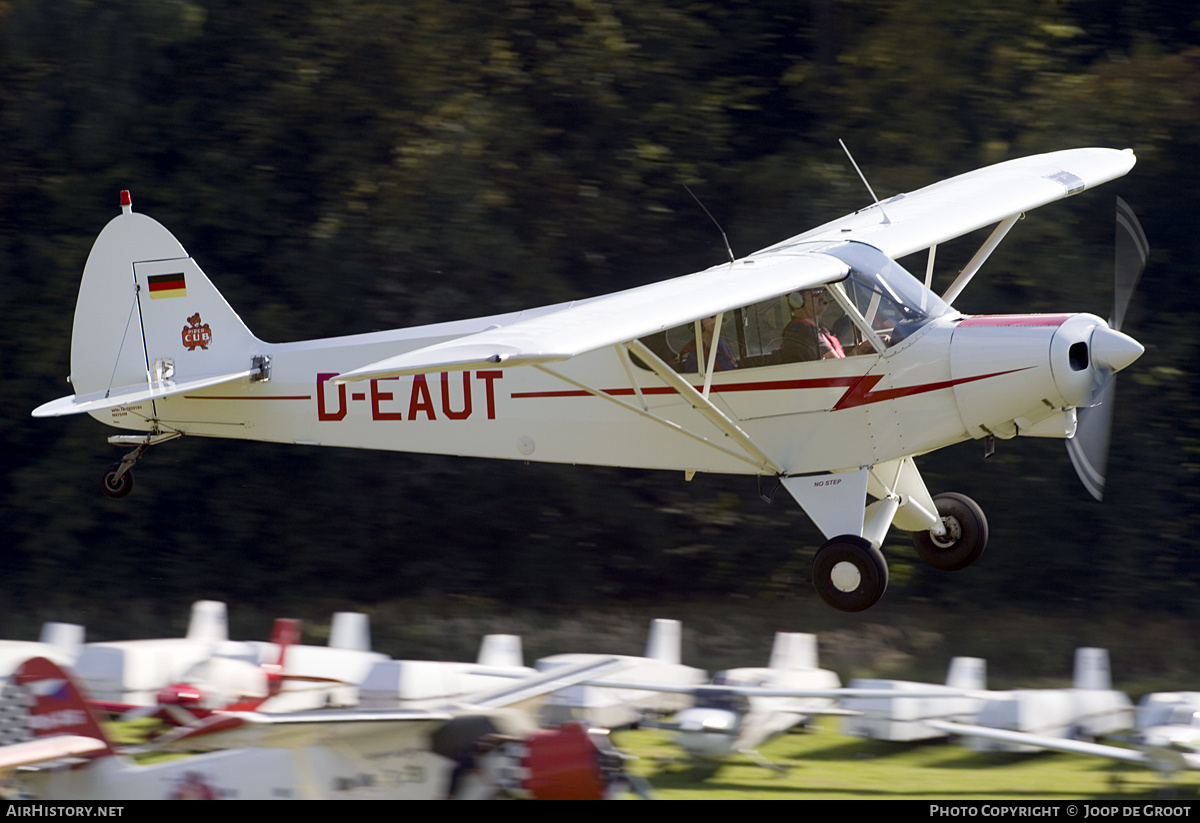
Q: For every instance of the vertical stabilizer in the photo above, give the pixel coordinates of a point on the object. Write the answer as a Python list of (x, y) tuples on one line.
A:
[(501, 650), (147, 314), (209, 622), (350, 630), (967, 673), (66, 636), (284, 634), (1092, 670), (665, 642), (794, 650)]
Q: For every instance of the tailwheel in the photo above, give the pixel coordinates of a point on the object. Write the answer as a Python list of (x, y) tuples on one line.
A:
[(849, 573), (115, 483), (965, 538)]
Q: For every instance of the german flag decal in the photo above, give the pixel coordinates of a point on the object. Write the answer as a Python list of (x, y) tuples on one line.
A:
[(167, 285)]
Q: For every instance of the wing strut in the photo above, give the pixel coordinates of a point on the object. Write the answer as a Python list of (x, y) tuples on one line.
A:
[(703, 405), (647, 414), (981, 256)]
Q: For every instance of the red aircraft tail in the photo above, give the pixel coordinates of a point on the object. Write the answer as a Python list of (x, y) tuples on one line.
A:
[(44, 701), (285, 633)]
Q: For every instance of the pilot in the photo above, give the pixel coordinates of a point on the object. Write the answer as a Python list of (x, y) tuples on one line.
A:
[(724, 360), (805, 338)]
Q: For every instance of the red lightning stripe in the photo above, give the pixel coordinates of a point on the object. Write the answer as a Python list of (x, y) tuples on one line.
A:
[(860, 393), (858, 389)]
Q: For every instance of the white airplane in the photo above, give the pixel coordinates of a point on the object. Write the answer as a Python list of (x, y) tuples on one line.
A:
[(744, 708), (476, 749), (835, 368), (729, 716), (902, 708), (614, 707), (60, 642), (412, 684), (135, 671), (1090, 708)]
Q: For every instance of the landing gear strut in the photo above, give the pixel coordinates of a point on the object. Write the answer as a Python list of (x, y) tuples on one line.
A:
[(850, 573), (965, 538), (116, 481)]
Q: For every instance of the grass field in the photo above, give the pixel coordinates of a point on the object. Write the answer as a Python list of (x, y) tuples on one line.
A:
[(824, 765)]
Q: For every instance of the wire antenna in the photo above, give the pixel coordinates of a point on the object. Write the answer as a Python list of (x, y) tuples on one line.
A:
[(715, 223), (863, 177)]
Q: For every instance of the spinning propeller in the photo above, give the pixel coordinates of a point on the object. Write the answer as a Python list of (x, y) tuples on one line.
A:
[(1089, 447)]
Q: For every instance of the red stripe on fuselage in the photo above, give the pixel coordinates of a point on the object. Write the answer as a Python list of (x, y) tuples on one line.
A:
[(760, 385), (1015, 320), (858, 389)]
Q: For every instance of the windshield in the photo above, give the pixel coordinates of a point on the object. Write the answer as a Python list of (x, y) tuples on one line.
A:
[(892, 301)]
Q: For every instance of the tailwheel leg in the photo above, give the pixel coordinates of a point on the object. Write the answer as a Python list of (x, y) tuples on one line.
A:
[(849, 573), (116, 480)]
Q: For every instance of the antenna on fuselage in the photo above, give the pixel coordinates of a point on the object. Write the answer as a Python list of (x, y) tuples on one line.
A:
[(863, 177), (715, 223)]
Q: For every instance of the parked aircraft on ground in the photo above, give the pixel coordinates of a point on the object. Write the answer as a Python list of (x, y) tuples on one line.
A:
[(59, 642), (725, 720), (615, 707), (837, 368), (414, 684), (1089, 709), (477, 749), (902, 707), (135, 671)]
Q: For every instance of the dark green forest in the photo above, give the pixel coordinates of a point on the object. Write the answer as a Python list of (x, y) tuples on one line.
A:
[(348, 165)]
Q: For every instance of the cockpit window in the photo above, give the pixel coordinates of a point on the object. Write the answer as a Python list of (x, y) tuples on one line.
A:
[(875, 307), (887, 296)]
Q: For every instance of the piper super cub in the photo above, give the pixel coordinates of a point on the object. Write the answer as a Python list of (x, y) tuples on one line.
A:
[(833, 368)]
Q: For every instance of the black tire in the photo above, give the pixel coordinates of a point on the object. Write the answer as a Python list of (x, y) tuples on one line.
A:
[(849, 573), (114, 486), (967, 536)]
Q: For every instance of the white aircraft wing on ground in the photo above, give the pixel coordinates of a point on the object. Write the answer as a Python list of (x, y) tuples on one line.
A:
[(1159, 751), (262, 729)]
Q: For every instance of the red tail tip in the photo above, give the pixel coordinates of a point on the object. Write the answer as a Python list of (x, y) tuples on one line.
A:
[(126, 200)]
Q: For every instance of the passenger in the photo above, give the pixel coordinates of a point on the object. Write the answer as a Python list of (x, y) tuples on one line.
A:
[(724, 361)]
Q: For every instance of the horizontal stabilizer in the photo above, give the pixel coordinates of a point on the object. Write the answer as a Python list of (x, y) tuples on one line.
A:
[(616, 318), (130, 395)]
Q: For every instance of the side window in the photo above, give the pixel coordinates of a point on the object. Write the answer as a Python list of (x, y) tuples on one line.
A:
[(792, 328)]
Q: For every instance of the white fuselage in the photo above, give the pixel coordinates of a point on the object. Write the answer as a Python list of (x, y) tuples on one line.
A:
[(953, 380)]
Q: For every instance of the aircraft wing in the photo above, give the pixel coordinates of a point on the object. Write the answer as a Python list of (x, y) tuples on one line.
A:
[(767, 691), (592, 324), (45, 749), (399, 727), (962, 204), (1059, 744)]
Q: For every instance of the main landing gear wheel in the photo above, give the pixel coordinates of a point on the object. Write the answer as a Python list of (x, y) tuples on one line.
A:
[(114, 486), (849, 573), (966, 534)]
